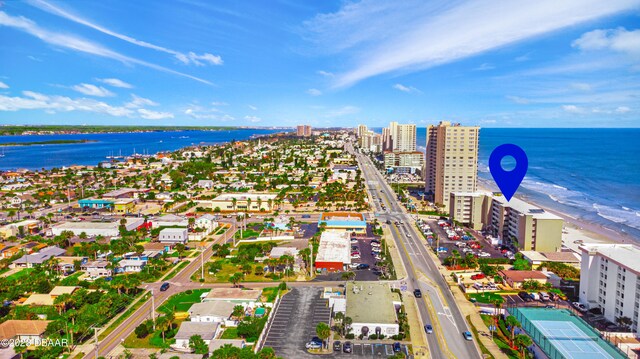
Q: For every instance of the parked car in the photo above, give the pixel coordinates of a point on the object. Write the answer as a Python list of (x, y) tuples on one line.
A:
[(467, 335), (337, 346), (534, 296), (478, 276), (579, 306), (314, 343), (524, 296), (417, 293), (428, 328), (363, 266), (443, 249), (347, 347), (355, 256), (164, 286), (544, 296), (396, 347)]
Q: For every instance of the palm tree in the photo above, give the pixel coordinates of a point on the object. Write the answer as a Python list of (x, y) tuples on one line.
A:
[(339, 317), (234, 202), (513, 323), (162, 323), (347, 324), (523, 341), (259, 204), (323, 331)]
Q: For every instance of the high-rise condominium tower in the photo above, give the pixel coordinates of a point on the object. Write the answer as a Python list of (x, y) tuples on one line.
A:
[(452, 161), (404, 140)]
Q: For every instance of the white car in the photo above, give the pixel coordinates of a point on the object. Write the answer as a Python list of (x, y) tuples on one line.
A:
[(355, 256), (484, 254)]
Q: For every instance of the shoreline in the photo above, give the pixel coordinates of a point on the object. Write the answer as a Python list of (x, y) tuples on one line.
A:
[(575, 229)]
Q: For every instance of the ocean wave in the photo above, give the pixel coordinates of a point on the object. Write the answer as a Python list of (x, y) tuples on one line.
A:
[(627, 217)]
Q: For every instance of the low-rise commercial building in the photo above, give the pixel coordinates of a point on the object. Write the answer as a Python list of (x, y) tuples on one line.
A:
[(344, 222), (216, 311), (241, 202), (96, 203), (333, 251), (610, 280), (372, 307), (515, 278), (92, 229), (207, 331), (173, 236)]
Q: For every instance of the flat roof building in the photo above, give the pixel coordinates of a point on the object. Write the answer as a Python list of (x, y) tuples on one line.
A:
[(333, 251), (92, 229), (372, 307), (344, 222), (610, 280), (252, 202)]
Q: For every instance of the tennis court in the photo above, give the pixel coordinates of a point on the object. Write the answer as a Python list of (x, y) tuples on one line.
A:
[(569, 340), (563, 335)]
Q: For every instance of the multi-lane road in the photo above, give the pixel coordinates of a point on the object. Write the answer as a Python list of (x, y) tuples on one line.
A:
[(437, 305)]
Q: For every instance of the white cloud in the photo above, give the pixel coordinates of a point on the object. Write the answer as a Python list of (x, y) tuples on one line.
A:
[(519, 100), (137, 102), (78, 44), (484, 67), (153, 115), (116, 83), (252, 107), (219, 103), (253, 119), (93, 90), (581, 86), (314, 92), (403, 88), (430, 33), (573, 109), (201, 113), (343, 111), (3, 85), (619, 40), (623, 109), (186, 58), (325, 73), (37, 101)]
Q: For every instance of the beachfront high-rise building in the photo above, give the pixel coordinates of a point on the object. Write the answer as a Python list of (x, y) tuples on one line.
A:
[(387, 140), (361, 130), (527, 227), (405, 138), (610, 280), (452, 161), (303, 131)]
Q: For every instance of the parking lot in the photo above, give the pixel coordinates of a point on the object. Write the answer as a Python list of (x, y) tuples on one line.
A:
[(294, 324), (364, 248), (450, 245)]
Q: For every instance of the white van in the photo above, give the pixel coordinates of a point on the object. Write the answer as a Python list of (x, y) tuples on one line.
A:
[(534, 296), (544, 296)]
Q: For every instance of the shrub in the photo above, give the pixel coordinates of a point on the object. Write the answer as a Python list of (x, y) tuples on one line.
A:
[(350, 336), (188, 291)]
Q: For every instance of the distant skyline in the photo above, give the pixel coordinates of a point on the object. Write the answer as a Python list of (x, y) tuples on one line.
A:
[(574, 63)]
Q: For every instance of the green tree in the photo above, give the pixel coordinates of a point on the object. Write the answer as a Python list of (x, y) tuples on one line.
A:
[(180, 248), (523, 342), (323, 331), (238, 312), (520, 263), (513, 323), (197, 344)]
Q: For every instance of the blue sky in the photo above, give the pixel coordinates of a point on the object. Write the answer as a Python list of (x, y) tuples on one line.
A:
[(573, 63)]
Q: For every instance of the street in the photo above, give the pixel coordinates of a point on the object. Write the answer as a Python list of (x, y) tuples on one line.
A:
[(445, 316)]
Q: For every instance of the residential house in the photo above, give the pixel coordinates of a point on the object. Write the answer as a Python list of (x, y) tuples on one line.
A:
[(97, 269), (206, 330), (29, 260), (206, 184), (173, 236), (24, 330), (515, 278), (131, 266), (207, 222), (217, 311)]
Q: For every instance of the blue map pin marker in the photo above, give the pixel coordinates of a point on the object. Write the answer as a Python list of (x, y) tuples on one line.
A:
[(508, 181)]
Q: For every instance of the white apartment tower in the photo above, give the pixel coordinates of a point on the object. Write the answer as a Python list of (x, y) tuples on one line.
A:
[(452, 161), (610, 280), (405, 138)]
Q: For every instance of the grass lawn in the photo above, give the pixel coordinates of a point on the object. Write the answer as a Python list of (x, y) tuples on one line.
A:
[(229, 269), (176, 270), (21, 274), (182, 301), (248, 233), (499, 340), (486, 297), (230, 333), (153, 340), (270, 293)]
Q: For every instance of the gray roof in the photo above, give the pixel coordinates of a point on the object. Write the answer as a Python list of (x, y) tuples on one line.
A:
[(204, 330), (220, 309), (42, 256)]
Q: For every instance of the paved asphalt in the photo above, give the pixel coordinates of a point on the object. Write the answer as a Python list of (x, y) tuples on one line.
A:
[(449, 322)]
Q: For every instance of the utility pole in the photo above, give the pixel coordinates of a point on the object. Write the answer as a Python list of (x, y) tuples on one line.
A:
[(202, 260), (95, 335), (153, 311), (311, 260)]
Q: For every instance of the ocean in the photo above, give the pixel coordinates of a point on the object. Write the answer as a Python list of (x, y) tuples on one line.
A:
[(590, 174), (107, 144)]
